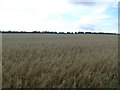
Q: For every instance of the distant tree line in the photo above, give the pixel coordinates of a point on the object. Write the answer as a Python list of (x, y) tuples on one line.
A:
[(48, 32)]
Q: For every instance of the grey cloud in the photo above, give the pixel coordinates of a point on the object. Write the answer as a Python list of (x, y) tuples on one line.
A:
[(88, 27), (85, 3)]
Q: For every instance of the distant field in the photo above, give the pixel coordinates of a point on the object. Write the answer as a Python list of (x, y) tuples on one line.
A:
[(60, 61)]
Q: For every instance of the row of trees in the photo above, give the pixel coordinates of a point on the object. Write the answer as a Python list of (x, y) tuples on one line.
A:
[(48, 32)]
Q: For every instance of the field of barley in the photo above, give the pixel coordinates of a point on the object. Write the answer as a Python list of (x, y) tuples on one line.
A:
[(59, 61)]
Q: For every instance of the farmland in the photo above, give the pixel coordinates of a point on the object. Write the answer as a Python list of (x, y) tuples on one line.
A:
[(59, 61)]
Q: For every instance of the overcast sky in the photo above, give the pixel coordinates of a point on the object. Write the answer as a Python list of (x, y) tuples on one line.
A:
[(59, 15)]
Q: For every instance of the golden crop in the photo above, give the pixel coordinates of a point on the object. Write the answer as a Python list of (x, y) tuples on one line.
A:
[(59, 61)]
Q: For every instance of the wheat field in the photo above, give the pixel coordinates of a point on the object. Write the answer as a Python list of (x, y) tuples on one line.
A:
[(59, 61)]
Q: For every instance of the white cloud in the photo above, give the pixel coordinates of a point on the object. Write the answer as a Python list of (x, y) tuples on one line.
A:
[(16, 13), (97, 16), (94, 0), (30, 15)]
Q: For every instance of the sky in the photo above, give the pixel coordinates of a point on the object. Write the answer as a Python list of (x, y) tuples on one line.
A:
[(59, 15)]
